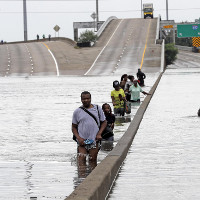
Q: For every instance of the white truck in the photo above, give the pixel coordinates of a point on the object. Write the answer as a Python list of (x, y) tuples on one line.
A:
[(148, 10)]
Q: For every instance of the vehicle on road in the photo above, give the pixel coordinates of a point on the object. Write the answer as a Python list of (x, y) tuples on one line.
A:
[(148, 10)]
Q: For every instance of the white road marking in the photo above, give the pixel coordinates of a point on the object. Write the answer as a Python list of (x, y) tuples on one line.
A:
[(57, 69), (103, 48)]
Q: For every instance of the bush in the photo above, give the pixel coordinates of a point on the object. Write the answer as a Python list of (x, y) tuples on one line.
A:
[(170, 53), (87, 36)]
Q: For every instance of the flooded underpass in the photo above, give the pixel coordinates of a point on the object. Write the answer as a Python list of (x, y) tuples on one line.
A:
[(37, 153), (163, 161)]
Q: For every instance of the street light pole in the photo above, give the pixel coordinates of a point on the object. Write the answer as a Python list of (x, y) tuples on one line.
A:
[(25, 21), (97, 12), (167, 9)]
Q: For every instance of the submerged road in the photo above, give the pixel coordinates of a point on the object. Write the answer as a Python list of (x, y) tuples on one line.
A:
[(163, 161)]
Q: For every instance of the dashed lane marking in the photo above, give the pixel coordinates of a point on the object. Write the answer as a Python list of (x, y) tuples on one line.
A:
[(103, 48)]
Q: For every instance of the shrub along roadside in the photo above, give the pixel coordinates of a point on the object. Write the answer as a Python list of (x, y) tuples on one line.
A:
[(170, 53), (87, 36)]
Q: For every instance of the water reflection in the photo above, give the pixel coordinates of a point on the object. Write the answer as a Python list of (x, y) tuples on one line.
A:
[(28, 168), (119, 121), (37, 154), (163, 161), (83, 170), (106, 145)]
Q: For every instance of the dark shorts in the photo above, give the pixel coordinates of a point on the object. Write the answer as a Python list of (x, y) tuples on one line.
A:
[(119, 111), (91, 146)]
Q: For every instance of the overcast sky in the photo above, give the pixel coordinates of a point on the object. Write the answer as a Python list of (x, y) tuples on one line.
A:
[(43, 15)]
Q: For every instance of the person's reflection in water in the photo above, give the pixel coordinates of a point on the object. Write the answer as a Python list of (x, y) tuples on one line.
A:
[(120, 120), (137, 103)]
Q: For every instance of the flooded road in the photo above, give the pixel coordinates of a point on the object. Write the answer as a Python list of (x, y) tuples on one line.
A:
[(37, 153), (163, 161)]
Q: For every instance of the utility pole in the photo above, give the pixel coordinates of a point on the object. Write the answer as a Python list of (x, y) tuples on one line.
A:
[(141, 10), (97, 12), (25, 21), (167, 9)]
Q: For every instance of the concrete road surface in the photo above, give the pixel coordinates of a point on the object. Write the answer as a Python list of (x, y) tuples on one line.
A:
[(124, 46), (132, 43), (26, 59)]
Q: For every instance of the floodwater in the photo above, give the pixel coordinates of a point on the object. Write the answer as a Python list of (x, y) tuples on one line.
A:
[(164, 159), (37, 153)]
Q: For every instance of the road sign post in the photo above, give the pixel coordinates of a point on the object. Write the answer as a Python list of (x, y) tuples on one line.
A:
[(188, 30), (56, 29), (94, 16)]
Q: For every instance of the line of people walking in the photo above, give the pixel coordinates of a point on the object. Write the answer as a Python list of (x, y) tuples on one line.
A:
[(92, 124), (43, 37), (127, 91)]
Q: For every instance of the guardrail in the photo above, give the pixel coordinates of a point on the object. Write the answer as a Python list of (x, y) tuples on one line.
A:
[(103, 26)]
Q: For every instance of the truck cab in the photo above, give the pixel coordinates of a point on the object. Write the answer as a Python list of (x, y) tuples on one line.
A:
[(148, 10)]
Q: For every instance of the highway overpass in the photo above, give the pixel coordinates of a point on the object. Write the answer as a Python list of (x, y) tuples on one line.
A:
[(124, 46)]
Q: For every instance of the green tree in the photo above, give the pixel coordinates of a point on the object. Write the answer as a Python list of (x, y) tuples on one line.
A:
[(170, 53), (87, 36)]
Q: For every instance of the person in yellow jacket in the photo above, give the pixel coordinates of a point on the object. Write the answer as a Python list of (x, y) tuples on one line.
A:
[(118, 99)]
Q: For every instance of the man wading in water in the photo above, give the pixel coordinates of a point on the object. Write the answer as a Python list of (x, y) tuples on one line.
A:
[(88, 123)]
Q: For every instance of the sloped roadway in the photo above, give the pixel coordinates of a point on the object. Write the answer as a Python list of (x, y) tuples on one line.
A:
[(131, 46), (26, 59), (122, 48)]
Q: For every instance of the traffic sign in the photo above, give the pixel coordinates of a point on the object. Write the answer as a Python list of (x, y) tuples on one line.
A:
[(188, 30), (93, 15), (56, 28), (168, 26), (196, 41)]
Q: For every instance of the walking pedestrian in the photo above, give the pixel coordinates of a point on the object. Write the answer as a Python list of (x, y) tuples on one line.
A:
[(49, 37), (141, 76), (118, 98), (110, 118), (124, 78), (88, 123), (135, 90), (127, 86), (38, 37)]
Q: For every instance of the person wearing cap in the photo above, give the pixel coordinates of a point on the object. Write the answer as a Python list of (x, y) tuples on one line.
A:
[(135, 90), (118, 98)]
